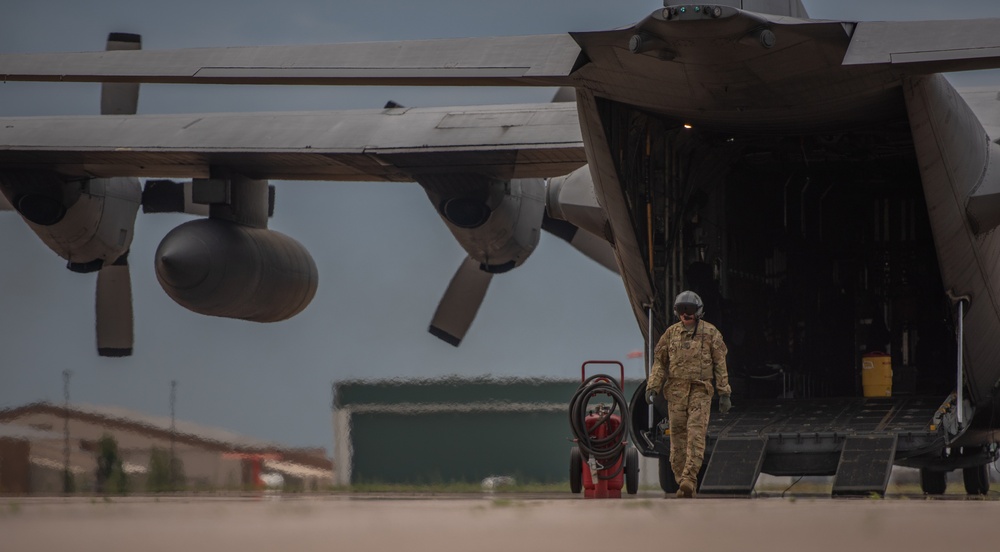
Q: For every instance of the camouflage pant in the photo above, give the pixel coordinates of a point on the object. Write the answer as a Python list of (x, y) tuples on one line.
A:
[(689, 405)]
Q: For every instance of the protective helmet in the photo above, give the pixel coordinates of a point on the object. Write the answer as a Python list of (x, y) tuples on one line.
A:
[(688, 300)]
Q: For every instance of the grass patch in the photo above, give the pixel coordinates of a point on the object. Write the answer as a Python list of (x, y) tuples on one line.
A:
[(504, 502), (456, 488)]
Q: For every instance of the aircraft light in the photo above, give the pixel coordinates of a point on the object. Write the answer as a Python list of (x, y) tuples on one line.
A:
[(716, 11), (760, 36), (642, 43), (635, 44), (767, 38), (688, 126)]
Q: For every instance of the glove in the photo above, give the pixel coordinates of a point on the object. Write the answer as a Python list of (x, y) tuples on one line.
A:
[(651, 395), (725, 403)]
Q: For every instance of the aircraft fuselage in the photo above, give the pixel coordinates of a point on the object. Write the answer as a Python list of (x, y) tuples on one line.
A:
[(824, 211)]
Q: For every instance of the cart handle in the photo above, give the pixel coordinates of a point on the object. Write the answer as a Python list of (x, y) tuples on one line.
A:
[(621, 370)]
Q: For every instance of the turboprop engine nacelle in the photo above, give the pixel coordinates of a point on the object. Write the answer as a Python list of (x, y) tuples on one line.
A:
[(220, 268), (500, 226), (498, 223), (88, 222)]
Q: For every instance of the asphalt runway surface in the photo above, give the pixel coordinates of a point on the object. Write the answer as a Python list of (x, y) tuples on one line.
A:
[(498, 522)]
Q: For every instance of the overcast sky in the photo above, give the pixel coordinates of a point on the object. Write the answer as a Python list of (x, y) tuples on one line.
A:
[(384, 256)]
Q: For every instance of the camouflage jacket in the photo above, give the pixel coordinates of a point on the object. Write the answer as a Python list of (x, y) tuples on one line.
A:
[(693, 354)]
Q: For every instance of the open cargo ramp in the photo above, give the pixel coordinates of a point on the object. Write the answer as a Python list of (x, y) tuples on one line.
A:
[(855, 439)]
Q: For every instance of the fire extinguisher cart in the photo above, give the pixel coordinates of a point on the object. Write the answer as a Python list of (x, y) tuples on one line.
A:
[(603, 461)]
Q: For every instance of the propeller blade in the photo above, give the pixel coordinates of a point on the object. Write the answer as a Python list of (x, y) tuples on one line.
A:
[(121, 98), (114, 309), (113, 297), (460, 303), (564, 94), (595, 248)]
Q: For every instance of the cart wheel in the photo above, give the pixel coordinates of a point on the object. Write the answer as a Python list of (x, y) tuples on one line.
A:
[(933, 482), (667, 482), (977, 480), (632, 470), (575, 471)]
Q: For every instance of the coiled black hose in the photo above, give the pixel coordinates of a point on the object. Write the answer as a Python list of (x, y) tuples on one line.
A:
[(606, 450)]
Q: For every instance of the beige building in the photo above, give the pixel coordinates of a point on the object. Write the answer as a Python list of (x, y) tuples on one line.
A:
[(33, 441)]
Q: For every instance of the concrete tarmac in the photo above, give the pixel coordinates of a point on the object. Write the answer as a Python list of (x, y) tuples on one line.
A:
[(507, 523)]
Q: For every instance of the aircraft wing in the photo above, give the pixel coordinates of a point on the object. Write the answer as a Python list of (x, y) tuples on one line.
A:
[(511, 141), (927, 46), (537, 60), (541, 60)]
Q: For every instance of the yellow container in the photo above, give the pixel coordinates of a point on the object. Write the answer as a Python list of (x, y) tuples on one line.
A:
[(876, 375)]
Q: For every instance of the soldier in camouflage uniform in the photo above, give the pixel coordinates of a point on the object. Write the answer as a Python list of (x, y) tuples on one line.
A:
[(689, 354)]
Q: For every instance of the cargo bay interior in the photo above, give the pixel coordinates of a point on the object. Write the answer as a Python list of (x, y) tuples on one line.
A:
[(809, 250), (814, 256)]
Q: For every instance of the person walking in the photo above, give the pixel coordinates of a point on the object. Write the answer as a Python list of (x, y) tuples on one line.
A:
[(686, 359)]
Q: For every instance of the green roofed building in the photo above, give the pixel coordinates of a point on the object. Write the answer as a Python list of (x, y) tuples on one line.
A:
[(454, 430)]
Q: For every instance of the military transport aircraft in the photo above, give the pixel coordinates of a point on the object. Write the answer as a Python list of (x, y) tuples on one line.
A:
[(827, 192)]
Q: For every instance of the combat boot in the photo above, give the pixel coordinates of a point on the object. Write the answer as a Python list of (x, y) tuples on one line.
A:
[(687, 489)]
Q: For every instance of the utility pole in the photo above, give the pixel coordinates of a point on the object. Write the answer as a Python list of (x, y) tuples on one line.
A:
[(66, 473), (173, 432)]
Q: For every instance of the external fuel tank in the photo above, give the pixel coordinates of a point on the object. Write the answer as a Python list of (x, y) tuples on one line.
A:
[(220, 268)]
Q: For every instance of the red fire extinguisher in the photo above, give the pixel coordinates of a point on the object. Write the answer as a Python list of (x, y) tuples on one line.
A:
[(602, 462)]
